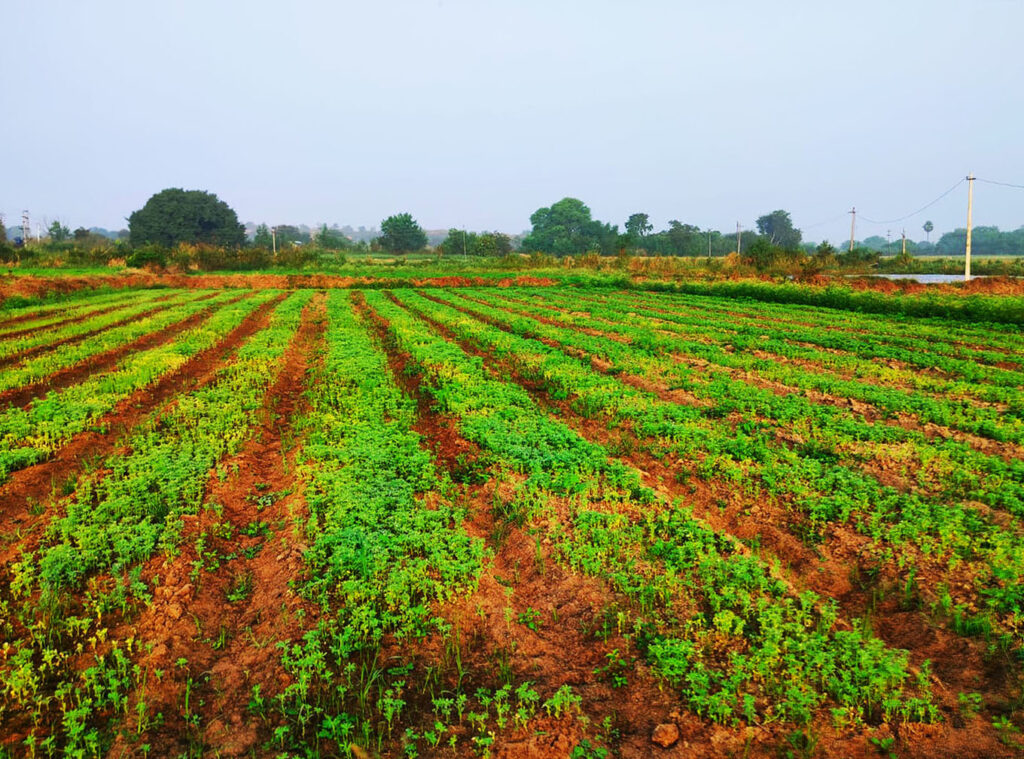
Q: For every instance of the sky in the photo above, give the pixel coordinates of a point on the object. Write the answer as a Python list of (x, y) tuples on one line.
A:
[(475, 113)]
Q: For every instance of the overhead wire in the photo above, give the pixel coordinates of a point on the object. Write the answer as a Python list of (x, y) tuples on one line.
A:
[(914, 213), (1001, 184)]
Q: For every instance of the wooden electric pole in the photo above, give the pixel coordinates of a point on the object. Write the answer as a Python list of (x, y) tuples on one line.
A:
[(970, 207), (853, 225), (737, 238)]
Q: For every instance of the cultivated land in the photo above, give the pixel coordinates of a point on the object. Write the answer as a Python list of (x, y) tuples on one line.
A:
[(547, 521)]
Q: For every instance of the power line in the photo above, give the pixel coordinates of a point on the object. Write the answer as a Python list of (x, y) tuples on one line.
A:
[(1001, 184), (919, 210), (827, 221)]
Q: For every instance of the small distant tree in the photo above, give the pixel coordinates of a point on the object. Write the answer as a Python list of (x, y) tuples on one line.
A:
[(331, 239), (928, 229), (262, 238), (401, 234), (778, 227), (638, 225), (58, 232)]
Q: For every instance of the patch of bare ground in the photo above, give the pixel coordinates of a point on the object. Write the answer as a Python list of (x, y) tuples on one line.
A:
[(843, 565), (29, 353), (214, 630), (72, 375), (23, 497)]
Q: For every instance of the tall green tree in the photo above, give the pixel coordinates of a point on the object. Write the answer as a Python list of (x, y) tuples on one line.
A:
[(175, 216), (778, 227), (401, 234)]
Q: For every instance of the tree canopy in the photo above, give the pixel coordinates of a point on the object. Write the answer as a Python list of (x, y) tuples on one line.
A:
[(175, 216), (401, 234), (778, 227), (566, 228)]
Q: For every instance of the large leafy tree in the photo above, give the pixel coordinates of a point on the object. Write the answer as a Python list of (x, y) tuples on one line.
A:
[(331, 239), (401, 234), (778, 227), (174, 216), (566, 229), (263, 238)]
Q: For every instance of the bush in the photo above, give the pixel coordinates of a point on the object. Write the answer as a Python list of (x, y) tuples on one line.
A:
[(148, 256)]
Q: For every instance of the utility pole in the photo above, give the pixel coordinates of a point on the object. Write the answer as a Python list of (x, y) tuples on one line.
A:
[(903, 254), (738, 238), (709, 243), (273, 240), (464, 256), (853, 225), (26, 228), (888, 242), (970, 207)]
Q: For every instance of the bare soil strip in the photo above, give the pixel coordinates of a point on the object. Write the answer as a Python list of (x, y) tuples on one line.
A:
[(522, 578), (225, 623), (33, 486), (18, 357), (842, 568), (22, 396)]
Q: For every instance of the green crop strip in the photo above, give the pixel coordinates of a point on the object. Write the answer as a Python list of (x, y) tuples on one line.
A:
[(698, 594), (112, 522), (378, 558), (748, 457), (704, 339), (121, 312), (39, 367), (45, 316), (30, 435), (960, 472)]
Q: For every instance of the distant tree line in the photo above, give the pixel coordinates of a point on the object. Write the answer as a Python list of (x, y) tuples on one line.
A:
[(195, 229)]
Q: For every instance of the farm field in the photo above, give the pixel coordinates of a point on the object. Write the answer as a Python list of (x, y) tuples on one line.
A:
[(509, 522)]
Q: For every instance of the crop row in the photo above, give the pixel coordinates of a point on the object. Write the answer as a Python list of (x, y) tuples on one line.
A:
[(379, 560), (38, 317), (945, 466), (31, 434), (748, 458), (951, 403), (735, 640), (39, 367), (86, 573), (124, 309)]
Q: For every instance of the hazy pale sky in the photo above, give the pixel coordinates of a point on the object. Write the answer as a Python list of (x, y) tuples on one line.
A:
[(477, 113)]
